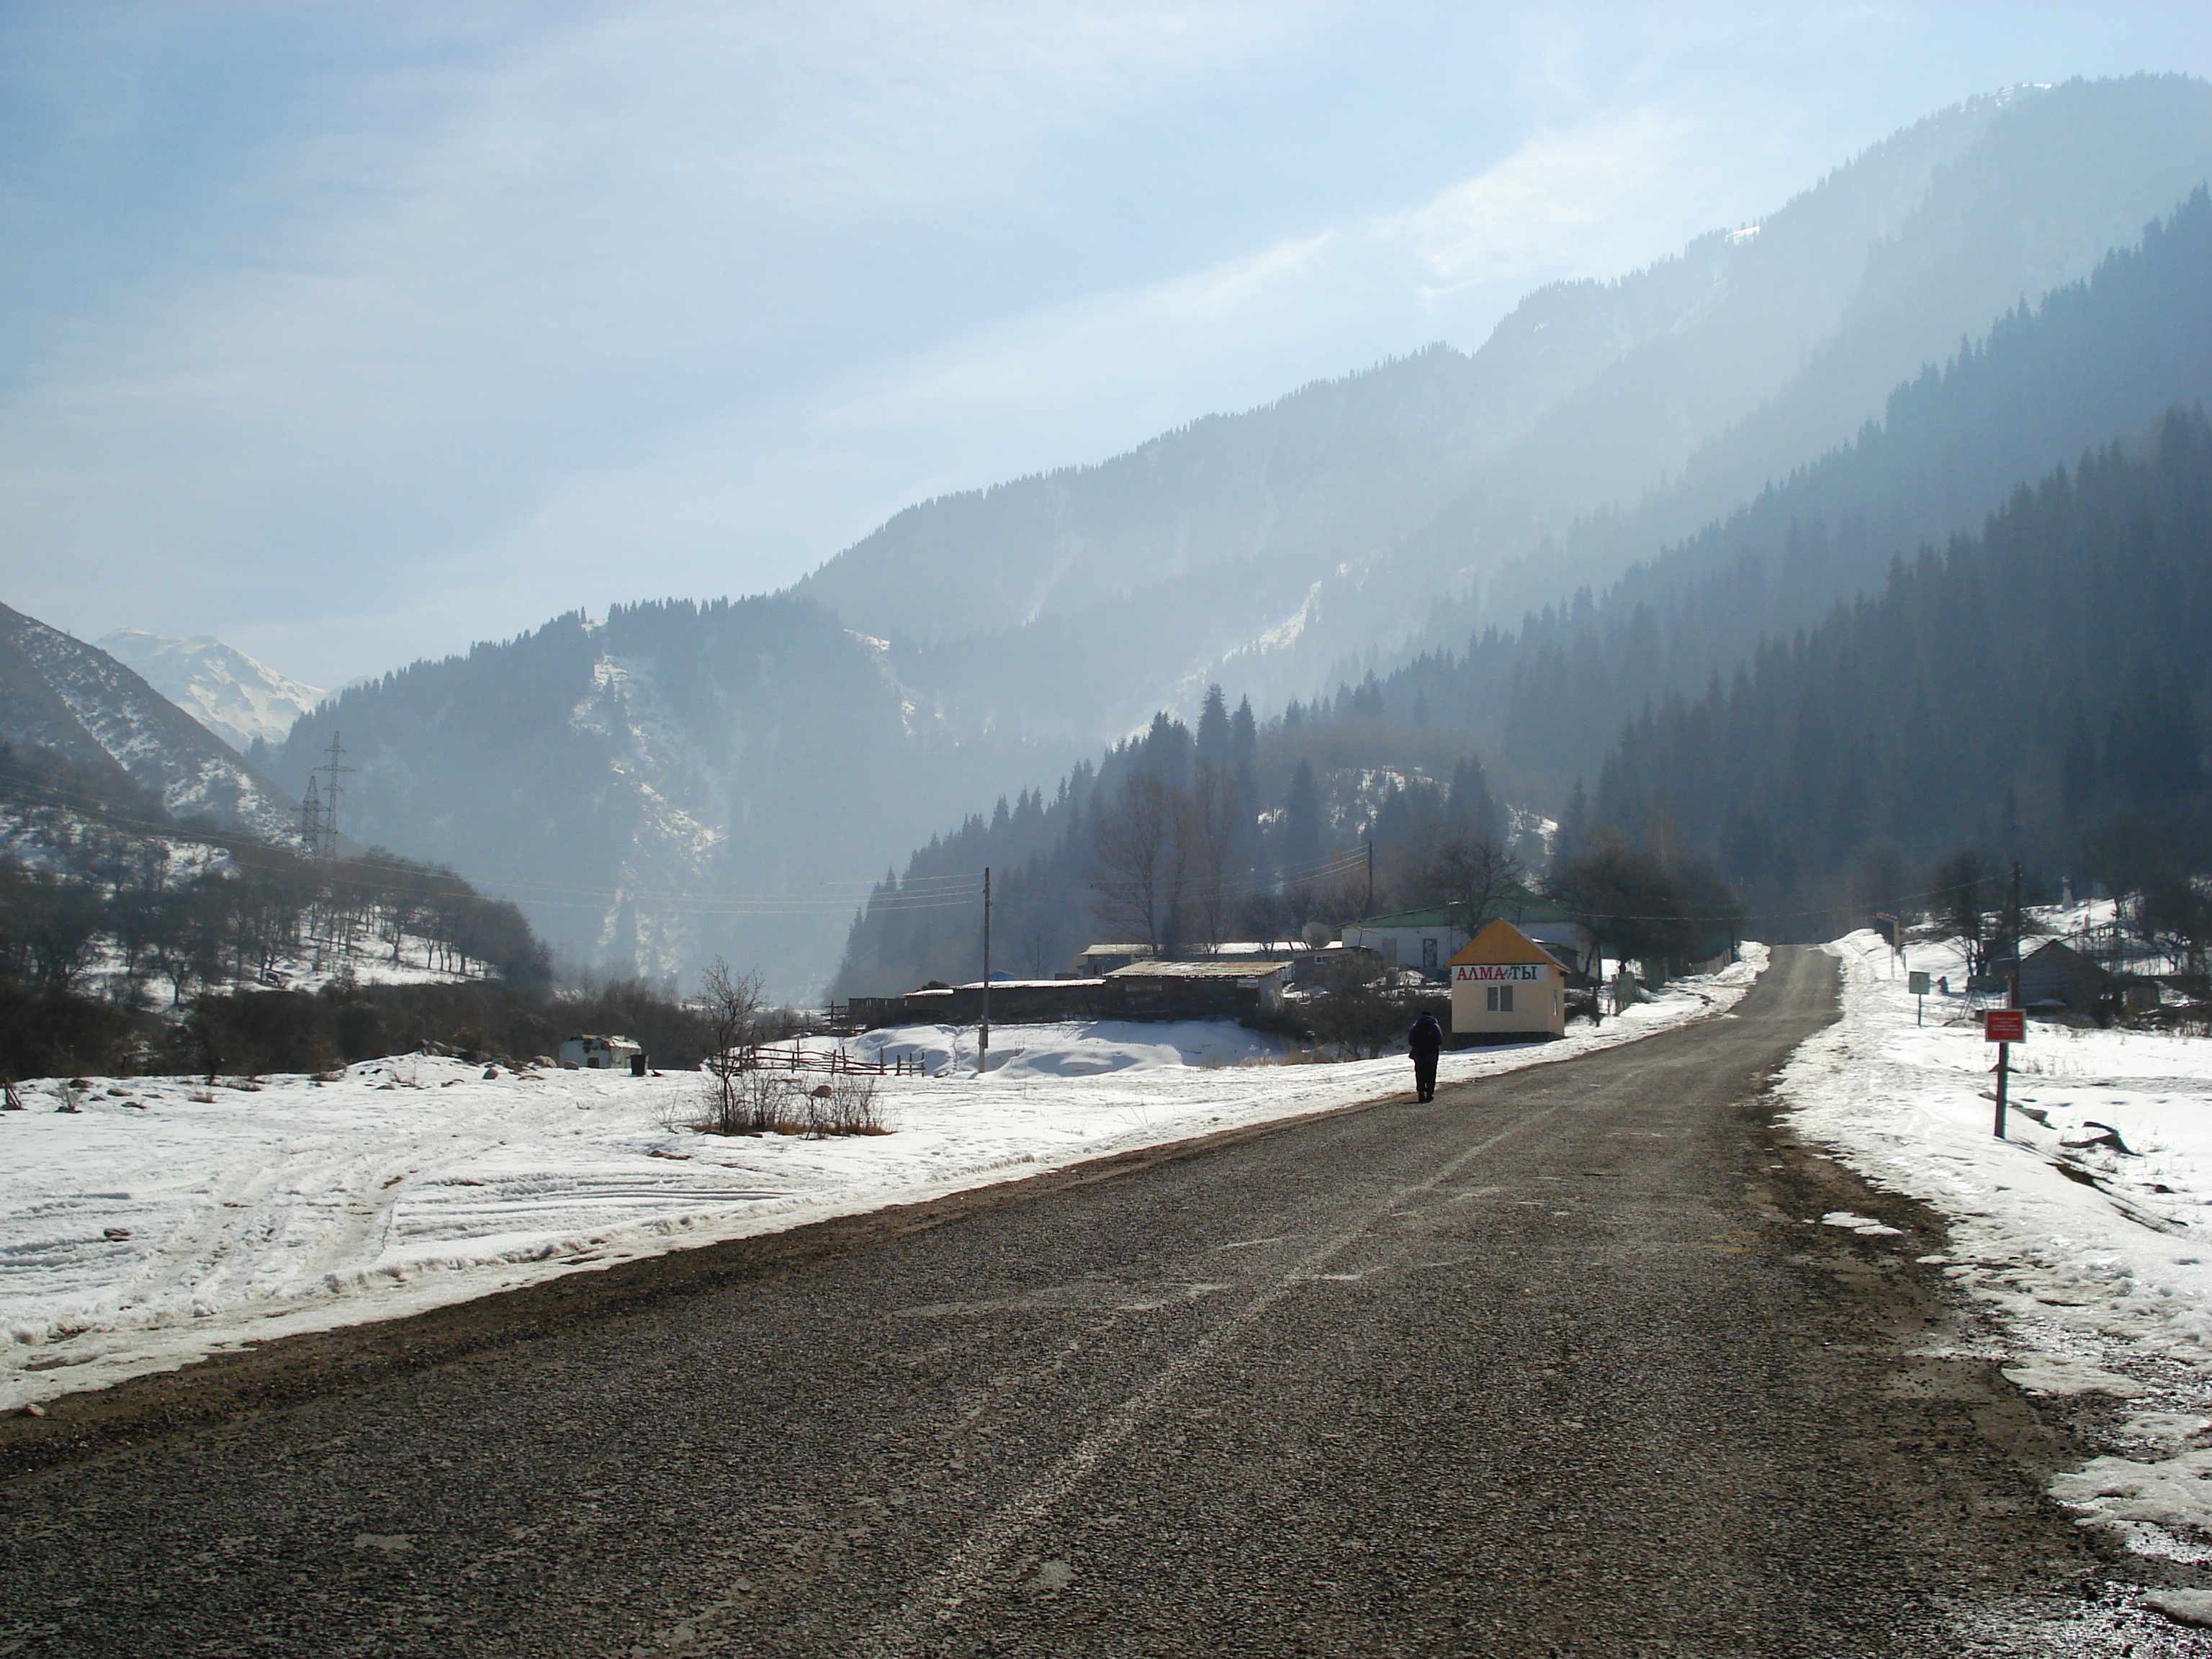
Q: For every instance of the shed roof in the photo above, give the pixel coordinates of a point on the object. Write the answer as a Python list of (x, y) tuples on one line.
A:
[(938, 988), (1439, 915), (1249, 969), (1501, 941), (2060, 951)]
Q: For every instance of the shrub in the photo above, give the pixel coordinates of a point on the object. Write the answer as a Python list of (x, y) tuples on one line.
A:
[(1360, 1022), (56, 1033), (847, 1105), (740, 1099)]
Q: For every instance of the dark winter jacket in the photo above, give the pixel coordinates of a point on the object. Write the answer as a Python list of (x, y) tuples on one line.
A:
[(1426, 1037)]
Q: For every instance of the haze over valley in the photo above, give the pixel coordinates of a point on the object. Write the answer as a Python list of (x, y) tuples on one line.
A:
[(666, 782), (671, 781), (1123, 829)]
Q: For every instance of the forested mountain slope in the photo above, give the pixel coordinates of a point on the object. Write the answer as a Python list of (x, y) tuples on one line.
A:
[(678, 782), (2059, 182), (2098, 359), (2020, 693), (1266, 550)]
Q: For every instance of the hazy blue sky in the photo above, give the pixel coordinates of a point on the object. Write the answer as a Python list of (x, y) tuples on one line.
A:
[(356, 332)]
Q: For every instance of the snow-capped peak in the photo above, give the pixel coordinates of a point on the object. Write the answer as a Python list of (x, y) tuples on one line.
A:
[(220, 686)]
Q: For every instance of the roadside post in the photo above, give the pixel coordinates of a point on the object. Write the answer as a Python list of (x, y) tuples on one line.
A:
[(2004, 1027), (1917, 985), (983, 1027)]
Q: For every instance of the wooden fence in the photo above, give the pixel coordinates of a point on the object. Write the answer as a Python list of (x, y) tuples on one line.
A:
[(794, 1057)]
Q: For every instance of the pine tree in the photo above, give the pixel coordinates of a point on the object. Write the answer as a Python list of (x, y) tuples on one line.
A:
[(1471, 809), (1302, 828), (1574, 828), (1213, 733)]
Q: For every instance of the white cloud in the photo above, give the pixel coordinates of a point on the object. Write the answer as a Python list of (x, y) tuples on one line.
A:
[(1080, 380), (417, 394), (1588, 195), (466, 283)]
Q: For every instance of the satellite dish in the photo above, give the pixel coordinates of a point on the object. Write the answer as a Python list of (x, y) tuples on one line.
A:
[(1316, 934)]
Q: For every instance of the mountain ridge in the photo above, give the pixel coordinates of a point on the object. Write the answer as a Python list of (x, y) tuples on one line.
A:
[(2101, 357), (1276, 608), (57, 693), (241, 701), (1291, 585)]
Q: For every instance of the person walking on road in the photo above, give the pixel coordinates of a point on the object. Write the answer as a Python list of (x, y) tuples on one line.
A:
[(1423, 1043)]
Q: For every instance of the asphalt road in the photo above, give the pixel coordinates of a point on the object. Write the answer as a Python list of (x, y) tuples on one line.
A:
[(1553, 1365)]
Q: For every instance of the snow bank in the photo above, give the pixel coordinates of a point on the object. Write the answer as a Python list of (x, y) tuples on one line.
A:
[(164, 1220), (1078, 1048), (2100, 1260)]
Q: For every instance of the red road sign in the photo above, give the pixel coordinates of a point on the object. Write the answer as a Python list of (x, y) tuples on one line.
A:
[(2004, 1025)]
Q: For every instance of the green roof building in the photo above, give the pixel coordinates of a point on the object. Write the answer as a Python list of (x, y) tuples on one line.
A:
[(1428, 939)]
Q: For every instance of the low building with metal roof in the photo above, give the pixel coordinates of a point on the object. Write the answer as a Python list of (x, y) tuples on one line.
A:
[(1158, 989), (1095, 960), (1427, 939)]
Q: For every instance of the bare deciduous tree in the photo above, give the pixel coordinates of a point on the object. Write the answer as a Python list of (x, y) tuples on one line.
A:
[(1260, 916), (1961, 901), (1139, 845), (1475, 874), (734, 1103)]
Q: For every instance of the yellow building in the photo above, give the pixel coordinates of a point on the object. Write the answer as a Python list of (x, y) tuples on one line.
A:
[(1505, 984)]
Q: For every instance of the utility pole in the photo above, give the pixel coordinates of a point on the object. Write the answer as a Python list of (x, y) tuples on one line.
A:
[(319, 919), (983, 1029), (2018, 927), (1370, 878)]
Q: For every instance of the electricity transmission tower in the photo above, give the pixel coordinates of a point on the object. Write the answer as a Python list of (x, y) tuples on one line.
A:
[(326, 845), (318, 827), (311, 819)]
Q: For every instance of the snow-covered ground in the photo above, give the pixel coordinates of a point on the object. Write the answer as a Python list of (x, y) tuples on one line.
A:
[(49, 837), (164, 1220), (368, 958), (366, 961), (2099, 1260), (53, 840)]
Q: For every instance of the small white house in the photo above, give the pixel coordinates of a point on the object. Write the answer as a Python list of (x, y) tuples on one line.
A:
[(1096, 960), (598, 1053)]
